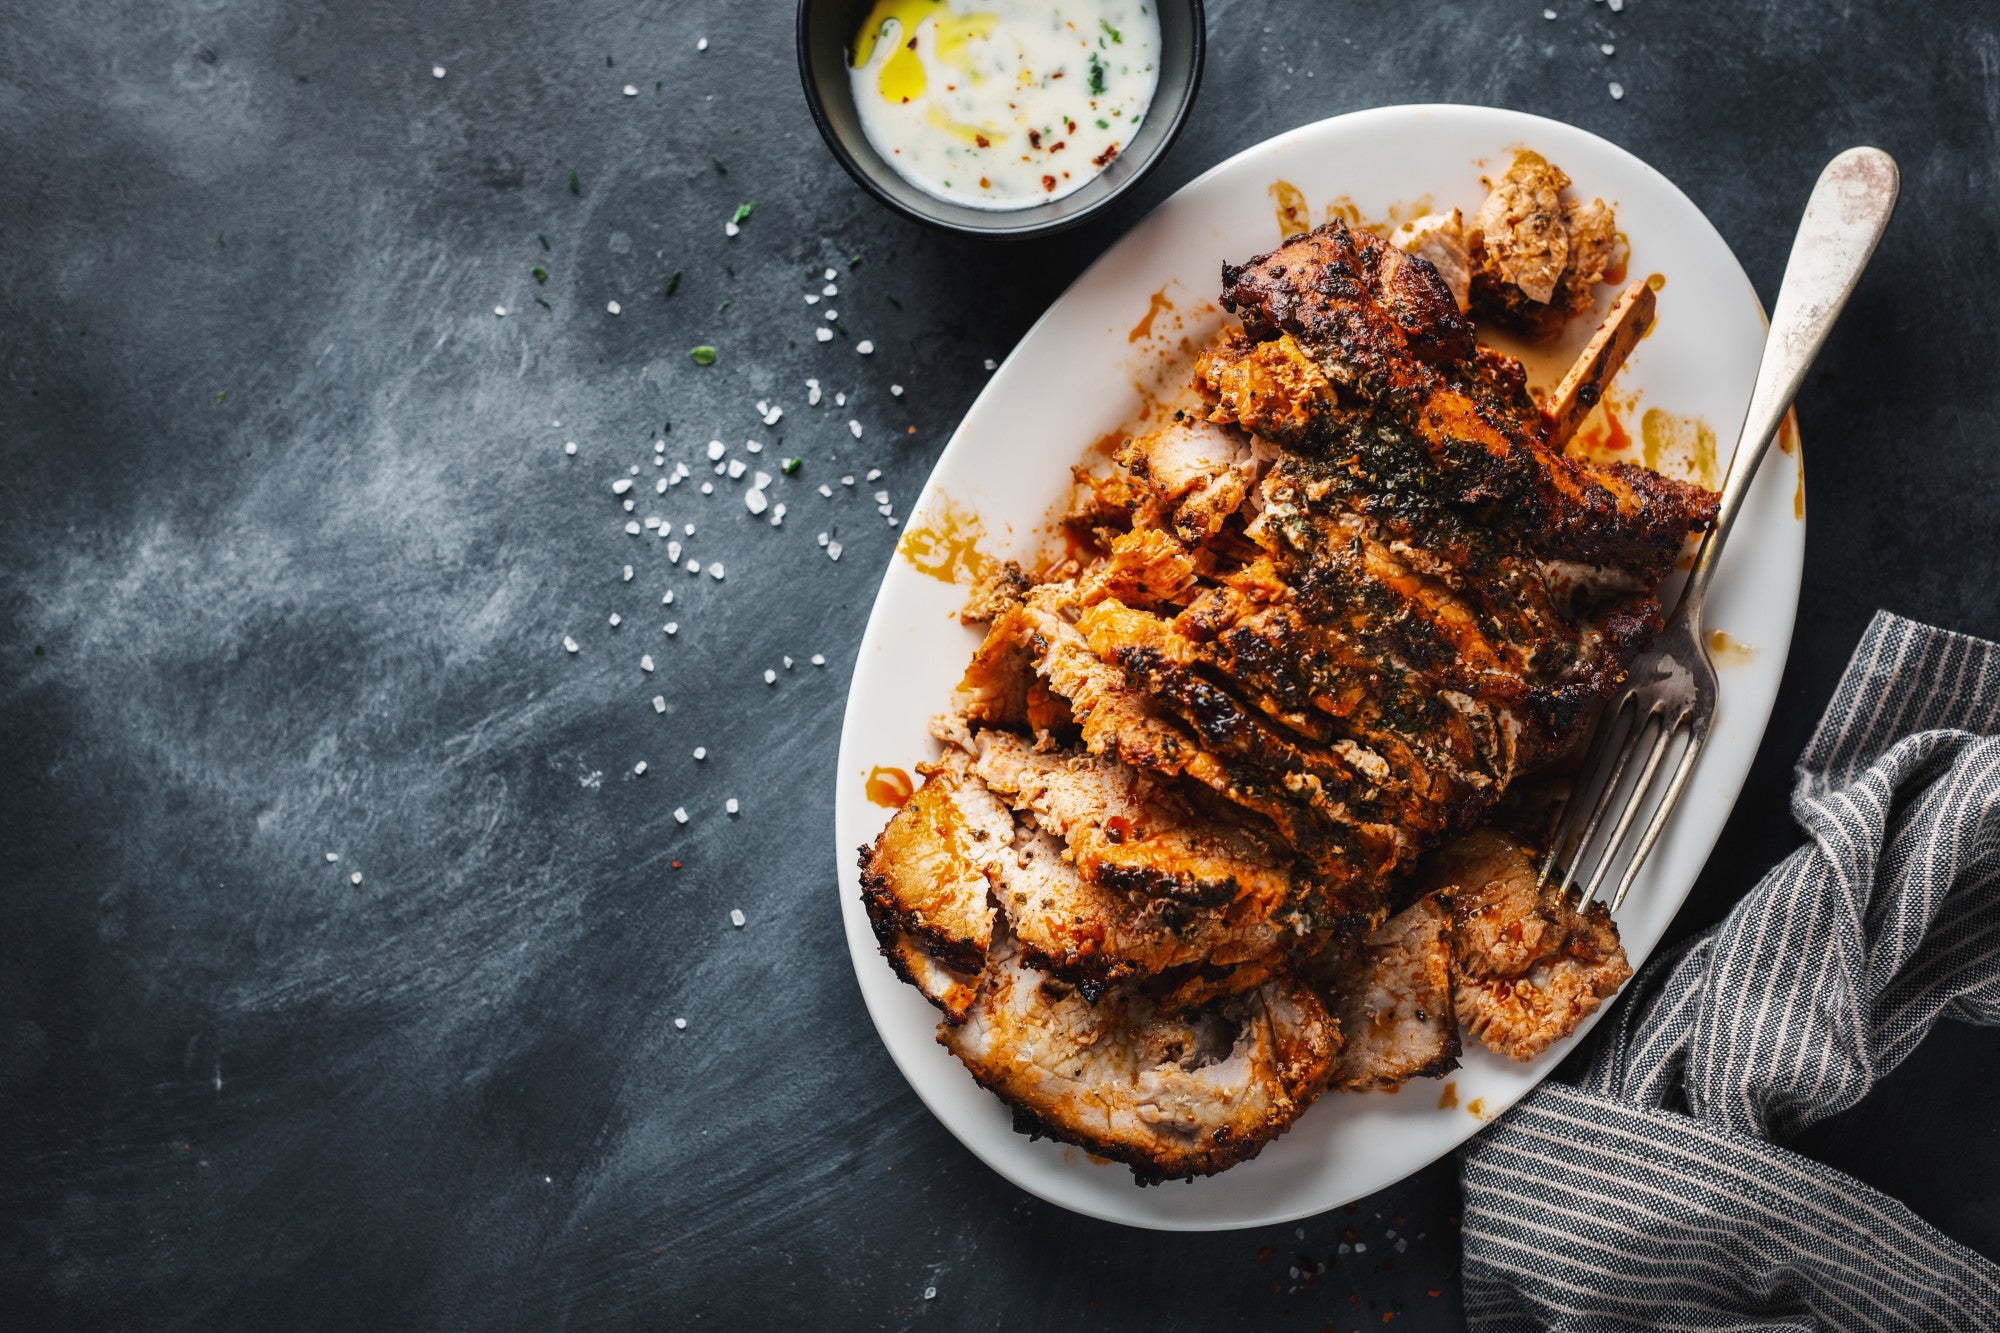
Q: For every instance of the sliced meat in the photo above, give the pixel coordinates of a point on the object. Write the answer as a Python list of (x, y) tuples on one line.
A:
[(1522, 235), (1003, 585), (1128, 833), (926, 875), (1180, 1096), (952, 992), (1439, 240), (1199, 473), (1146, 567), (1528, 967), (1393, 1001)]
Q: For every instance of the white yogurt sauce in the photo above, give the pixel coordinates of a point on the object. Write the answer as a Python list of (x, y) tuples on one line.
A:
[(1004, 103)]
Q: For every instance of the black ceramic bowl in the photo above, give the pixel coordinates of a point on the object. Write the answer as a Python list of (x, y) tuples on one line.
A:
[(826, 34)]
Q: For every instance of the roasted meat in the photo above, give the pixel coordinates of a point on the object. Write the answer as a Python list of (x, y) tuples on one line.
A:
[(1393, 1001), (1536, 257), (926, 876), (1527, 965), (1170, 1096)]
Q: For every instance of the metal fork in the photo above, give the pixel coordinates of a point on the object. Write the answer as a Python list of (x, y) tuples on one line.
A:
[(1671, 688)]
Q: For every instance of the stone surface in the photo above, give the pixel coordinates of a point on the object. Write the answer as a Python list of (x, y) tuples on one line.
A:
[(289, 545)]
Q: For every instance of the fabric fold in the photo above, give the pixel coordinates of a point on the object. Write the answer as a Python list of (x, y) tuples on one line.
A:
[(1654, 1193)]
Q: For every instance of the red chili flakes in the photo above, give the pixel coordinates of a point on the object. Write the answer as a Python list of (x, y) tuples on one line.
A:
[(1049, 184), (982, 141), (1034, 138), (1104, 156), (1118, 829), (677, 865)]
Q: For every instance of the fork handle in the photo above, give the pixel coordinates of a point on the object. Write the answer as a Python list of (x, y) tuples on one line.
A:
[(1844, 219)]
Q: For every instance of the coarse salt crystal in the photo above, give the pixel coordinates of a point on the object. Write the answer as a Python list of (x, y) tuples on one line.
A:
[(667, 598), (615, 620), (812, 299), (736, 917), (632, 528), (500, 310), (613, 307), (569, 644), (1617, 91), (715, 571), (716, 449), (1548, 13), (674, 551), (752, 446), (659, 446), (437, 71), (630, 91), (620, 486), (680, 814), (626, 506), (659, 701), (681, 470), (628, 574), (700, 752), (854, 428), (354, 878), (754, 501), (840, 400), (701, 44), (693, 565), (864, 347), (1616, 6), (646, 662), (736, 466), (873, 473), (788, 663), (817, 659), (680, 1024), (831, 275), (639, 768), (829, 290), (1607, 48), (652, 521), (708, 488), (331, 857), (687, 529), (826, 490), (881, 497), (730, 805), (822, 539), (731, 229), (660, 486), (832, 315), (991, 363), (671, 627), (930, 1293), (761, 480), (570, 448), (822, 333), (847, 480), (885, 509), (833, 550), (895, 391), (770, 676)]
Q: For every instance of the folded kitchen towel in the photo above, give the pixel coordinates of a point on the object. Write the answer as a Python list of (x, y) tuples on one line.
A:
[(1654, 1193)]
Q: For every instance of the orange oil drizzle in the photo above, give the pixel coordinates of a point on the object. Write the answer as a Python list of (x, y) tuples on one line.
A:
[(890, 787)]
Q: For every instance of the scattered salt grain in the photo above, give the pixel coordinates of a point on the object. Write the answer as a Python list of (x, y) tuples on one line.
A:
[(1617, 91), (680, 814), (930, 1293), (840, 400), (864, 347), (569, 644), (693, 565), (630, 91), (818, 659), (632, 528), (570, 448), (788, 664), (874, 473), (761, 480), (1548, 14), (895, 391), (823, 333), (659, 700), (680, 1025), (822, 539), (770, 676), (736, 466), (885, 509), (646, 662), (660, 486), (628, 574), (437, 71), (829, 290), (500, 310), (701, 44), (700, 752), (847, 480), (627, 506), (736, 917), (620, 486), (715, 571), (671, 627), (751, 446), (1615, 6), (833, 550), (730, 806), (659, 446), (687, 529), (991, 364), (812, 393), (613, 307), (731, 229), (331, 857), (616, 620), (354, 878), (831, 275), (826, 490), (812, 299), (667, 598), (881, 497), (639, 769), (754, 501), (854, 428), (708, 488), (673, 551), (832, 315), (716, 449)]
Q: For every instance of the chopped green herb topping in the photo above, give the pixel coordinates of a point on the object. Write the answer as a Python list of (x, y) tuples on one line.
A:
[(702, 356), (742, 211), (1110, 31), (541, 274), (673, 285), (791, 466), (575, 186), (543, 304), (720, 170), (1096, 76), (1103, 124)]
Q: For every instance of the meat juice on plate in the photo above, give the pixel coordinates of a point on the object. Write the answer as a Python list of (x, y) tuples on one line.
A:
[(1003, 104)]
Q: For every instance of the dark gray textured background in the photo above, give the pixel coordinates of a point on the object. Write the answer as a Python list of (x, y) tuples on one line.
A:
[(288, 543)]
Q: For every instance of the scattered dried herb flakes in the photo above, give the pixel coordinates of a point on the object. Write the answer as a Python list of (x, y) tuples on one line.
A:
[(541, 274), (575, 186), (673, 285), (702, 356)]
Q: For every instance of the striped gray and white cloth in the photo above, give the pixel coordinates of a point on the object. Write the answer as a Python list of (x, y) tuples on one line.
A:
[(1653, 1194)]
